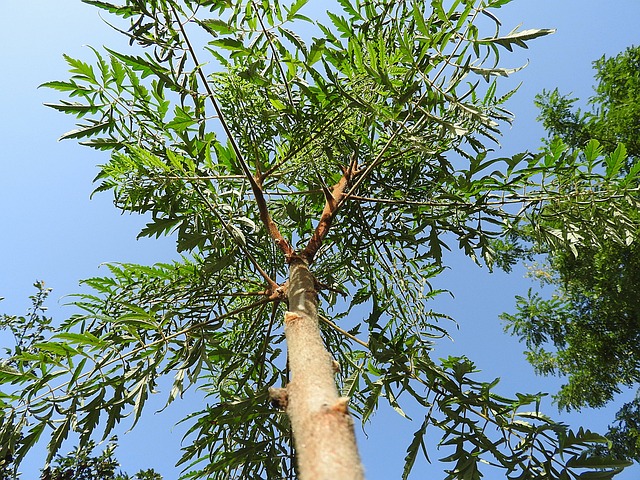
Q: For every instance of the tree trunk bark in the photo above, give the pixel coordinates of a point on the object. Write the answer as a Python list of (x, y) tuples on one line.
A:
[(322, 426)]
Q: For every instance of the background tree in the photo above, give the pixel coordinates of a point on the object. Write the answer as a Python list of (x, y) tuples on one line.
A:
[(80, 464), (338, 162), (589, 329)]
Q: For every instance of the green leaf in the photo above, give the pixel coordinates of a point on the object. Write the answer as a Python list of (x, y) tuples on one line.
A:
[(498, 3), (65, 87), (316, 51), (60, 433), (147, 67), (124, 12), (343, 26), (232, 44), (215, 265), (79, 109), (85, 338), (293, 9), (216, 26), (82, 70), (516, 38), (412, 451), (492, 72), (596, 461), (615, 161), (159, 226), (632, 176), (592, 151), (87, 130), (182, 120), (56, 348)]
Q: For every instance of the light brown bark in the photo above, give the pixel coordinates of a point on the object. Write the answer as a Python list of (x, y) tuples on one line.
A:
[(322, 426)]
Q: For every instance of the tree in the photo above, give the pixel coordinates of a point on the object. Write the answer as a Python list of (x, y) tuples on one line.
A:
[(80, 465), (338, 161), (589, 329), (614, 114)]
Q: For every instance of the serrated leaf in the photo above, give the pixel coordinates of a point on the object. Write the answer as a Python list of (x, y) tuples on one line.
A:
[(85, 338), (159, 226), (82, 70), (230, 44), (56, 348), (316, 51), (616, 161), (58, 436), (86, 130), (593, 150), (124, 12), (147, 67), (343, 26), (65, 87), (79, 109), (182, 121), (598, 475), (493, 72), (596, 461)]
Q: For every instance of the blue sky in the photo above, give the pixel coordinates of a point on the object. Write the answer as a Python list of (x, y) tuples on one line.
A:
[(52, 231)]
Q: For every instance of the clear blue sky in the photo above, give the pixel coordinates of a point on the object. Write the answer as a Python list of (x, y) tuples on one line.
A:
[(50, 230)]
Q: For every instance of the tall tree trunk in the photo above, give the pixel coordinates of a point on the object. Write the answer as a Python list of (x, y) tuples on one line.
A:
[(322, 426)]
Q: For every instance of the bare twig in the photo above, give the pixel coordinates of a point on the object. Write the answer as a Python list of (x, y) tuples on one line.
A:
[(343, 332)]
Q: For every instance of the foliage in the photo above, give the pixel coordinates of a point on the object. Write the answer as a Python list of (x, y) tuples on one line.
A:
[(589, 329), (362, 146)]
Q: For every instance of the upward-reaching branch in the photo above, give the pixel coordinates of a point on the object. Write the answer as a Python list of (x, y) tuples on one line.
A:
[(276, 57), (333, 201), (256, 186)]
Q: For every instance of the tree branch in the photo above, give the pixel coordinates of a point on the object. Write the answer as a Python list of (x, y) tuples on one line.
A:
[(343, 332), (256, 187), (332, 205)]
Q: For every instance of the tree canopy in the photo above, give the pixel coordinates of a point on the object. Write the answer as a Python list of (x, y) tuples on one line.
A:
[(312, 174), (589, 329)]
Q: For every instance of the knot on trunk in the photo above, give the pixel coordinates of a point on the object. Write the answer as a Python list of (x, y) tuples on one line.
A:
[(279, 398)]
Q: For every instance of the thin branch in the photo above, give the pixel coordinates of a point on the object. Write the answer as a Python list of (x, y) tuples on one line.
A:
[(332, 205), (343, 332), (286, 194), (275, 55), (272, 283), (267, 336)]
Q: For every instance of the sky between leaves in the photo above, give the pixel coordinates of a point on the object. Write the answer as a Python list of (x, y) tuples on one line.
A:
[(51, 231)]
